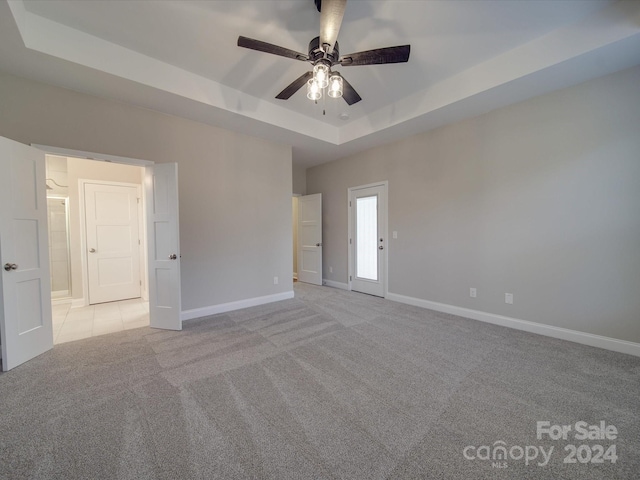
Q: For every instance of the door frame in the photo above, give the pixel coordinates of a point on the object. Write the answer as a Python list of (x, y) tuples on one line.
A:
[(101, 157), (142, 247), (384, 228), (294, 233), (318, 245)]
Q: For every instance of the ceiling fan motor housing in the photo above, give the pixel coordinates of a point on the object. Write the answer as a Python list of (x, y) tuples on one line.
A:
[(317, 53)]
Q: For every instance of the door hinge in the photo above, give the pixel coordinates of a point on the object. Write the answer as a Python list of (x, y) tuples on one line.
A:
[(139, 242), (140, 282), (349, 202), (138, 200), (350, 278), (349, 241)]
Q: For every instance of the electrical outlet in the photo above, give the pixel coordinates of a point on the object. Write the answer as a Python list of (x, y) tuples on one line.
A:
[(473, 293), (508, 298), (330, 269), (275, 280)]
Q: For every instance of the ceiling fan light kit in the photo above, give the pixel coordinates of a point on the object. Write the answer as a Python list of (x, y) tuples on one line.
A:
[(324, 53), (314, 92), (336, 85), (321, 74)]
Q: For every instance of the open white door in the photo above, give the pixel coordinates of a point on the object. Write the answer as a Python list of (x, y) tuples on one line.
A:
[(26, 329), (161, 188), (310, 239)]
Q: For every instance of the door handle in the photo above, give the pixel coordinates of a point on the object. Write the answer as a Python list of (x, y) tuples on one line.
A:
[(10, 266), (173, 256), (318, 244), (380, 247), (92, 250)]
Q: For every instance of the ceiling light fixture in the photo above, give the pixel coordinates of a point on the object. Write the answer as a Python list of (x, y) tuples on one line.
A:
[(323, 78), (336, 85), (314, 92), (321, 74)]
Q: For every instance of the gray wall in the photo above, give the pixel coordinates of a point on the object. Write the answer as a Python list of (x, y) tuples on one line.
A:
[(299, 180), (540, 199), (235, 190)]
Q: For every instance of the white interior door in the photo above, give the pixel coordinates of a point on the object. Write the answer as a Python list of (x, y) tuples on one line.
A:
[(368, 247), (113, 242), (25, 316), (310, 239), (161, 192)]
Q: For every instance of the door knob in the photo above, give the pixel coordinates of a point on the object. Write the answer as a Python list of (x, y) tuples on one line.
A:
[(92, 250), (318, 244), (380, 247), (10, 266), (173, 256)]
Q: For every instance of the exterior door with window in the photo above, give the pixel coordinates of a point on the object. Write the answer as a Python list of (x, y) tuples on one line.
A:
[(368, 212)]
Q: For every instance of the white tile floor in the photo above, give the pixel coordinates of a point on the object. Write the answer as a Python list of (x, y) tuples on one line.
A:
[(77, 323)]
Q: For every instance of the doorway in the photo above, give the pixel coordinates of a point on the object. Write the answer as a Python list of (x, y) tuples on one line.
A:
[(309, 239), (367, 239), (294, 222), (80, 311), (26, 327)]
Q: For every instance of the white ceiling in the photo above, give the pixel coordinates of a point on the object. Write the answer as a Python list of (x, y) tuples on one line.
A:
[(180, 57)]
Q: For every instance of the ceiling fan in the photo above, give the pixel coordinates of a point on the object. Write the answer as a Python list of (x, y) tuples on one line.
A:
[(324, 53)]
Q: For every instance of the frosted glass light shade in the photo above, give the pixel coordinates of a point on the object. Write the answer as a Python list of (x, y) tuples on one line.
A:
[(321, 75), (336, 86), (314, 92)]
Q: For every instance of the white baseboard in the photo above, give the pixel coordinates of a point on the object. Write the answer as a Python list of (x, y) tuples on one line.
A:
[(60, 295), (78, 302), (599, 341), (229, 307), (60, 301), (333, 284)]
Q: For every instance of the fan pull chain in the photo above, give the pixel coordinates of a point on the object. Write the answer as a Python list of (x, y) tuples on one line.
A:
[(324, 104)]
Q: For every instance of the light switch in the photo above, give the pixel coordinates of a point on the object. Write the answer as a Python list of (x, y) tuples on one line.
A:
[(395, 234)]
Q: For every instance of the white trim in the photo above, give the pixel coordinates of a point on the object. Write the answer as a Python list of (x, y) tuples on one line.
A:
[(334, 284), (592, 340), (78, 302), (61, 295), (60, 301), (231, 306), (100, 157)]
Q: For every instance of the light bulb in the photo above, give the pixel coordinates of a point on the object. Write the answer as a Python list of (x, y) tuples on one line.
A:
[(321, 74), (336, 85), (314, 92)]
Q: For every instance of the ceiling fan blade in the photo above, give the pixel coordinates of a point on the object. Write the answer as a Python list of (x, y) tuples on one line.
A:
[(270, 48), (378, 56), (330, 20), (349, 93), (294, 86)]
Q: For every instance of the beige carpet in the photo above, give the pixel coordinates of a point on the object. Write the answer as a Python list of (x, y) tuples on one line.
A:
[(331, 384)]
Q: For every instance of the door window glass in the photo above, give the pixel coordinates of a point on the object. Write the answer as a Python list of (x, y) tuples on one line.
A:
[(367, 237)]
